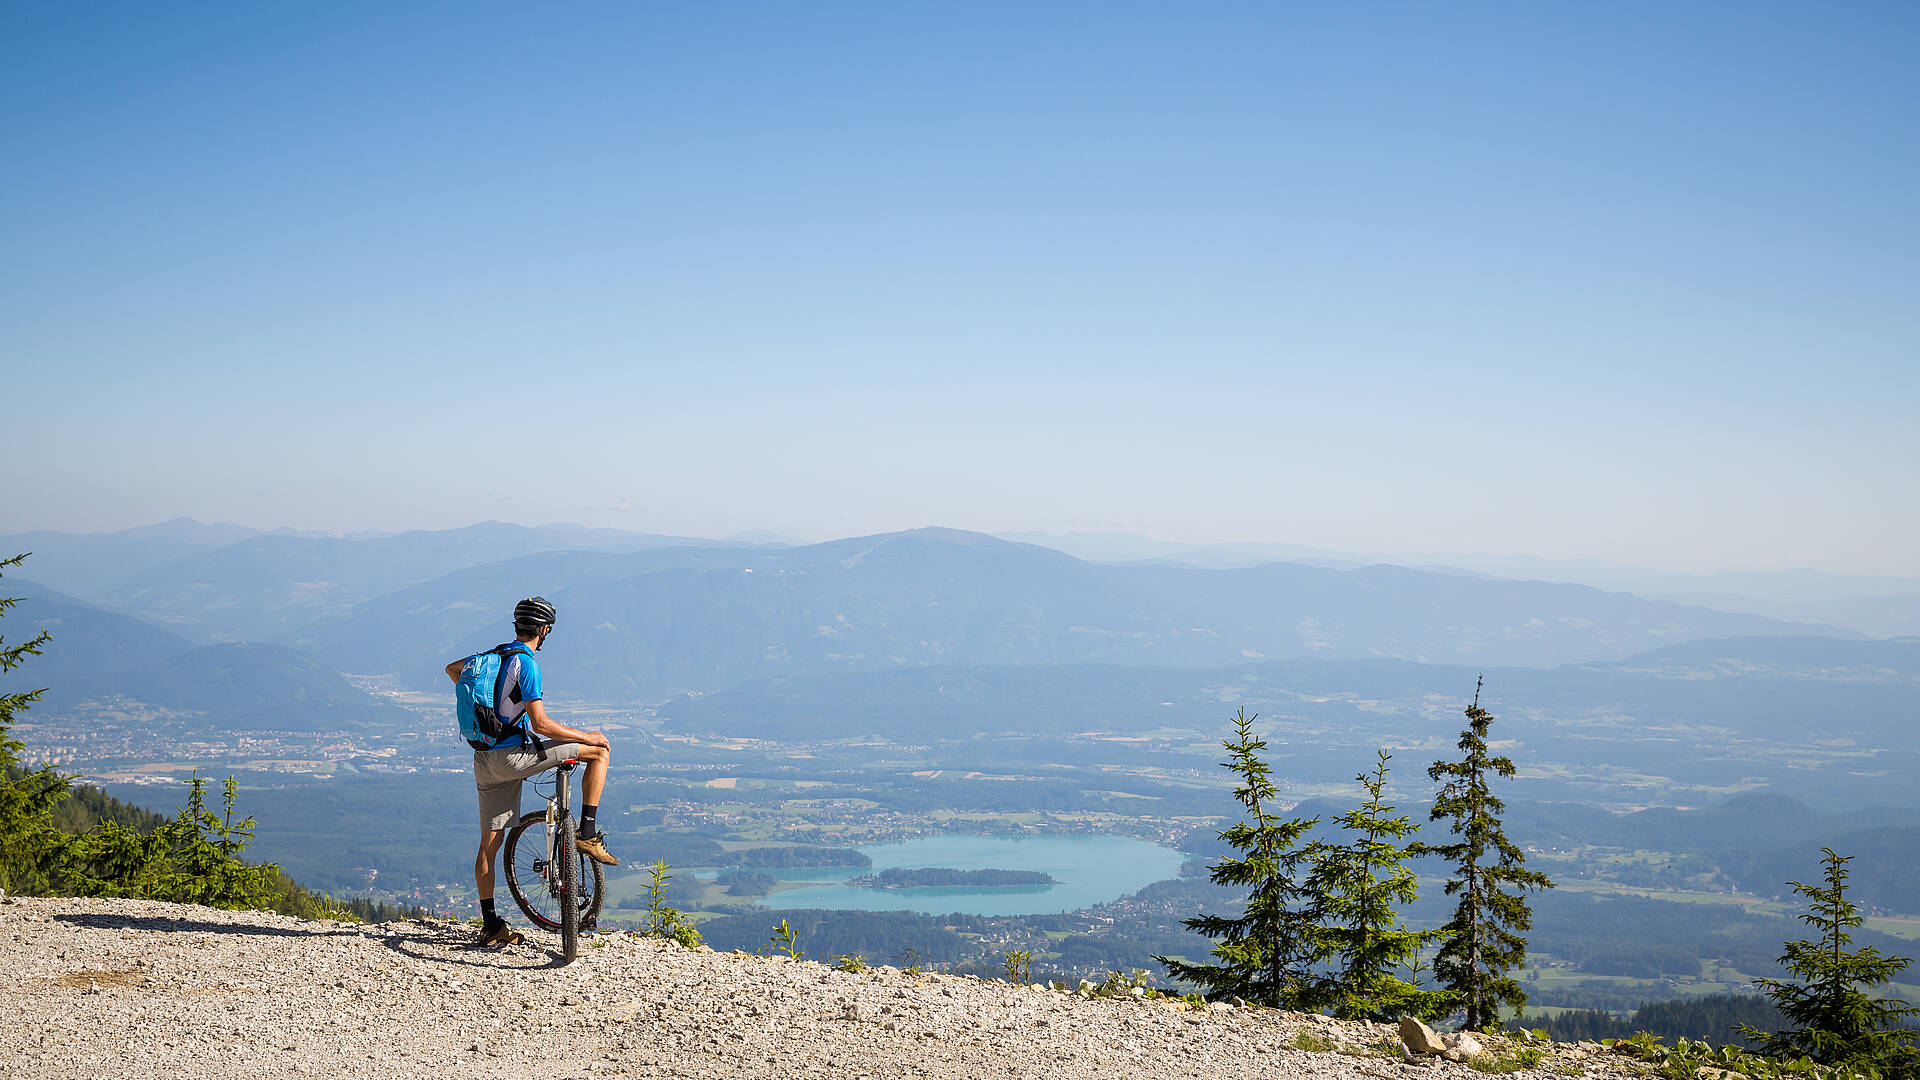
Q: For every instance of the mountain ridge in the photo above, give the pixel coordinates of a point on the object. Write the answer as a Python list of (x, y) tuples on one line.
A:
[(97, 655), (700, 619)]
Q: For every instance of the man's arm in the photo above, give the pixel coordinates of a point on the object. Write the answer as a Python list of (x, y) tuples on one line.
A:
[(453, 669), (549, 728)]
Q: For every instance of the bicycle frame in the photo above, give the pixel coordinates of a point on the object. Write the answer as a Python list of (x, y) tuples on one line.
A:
[(558, 808)]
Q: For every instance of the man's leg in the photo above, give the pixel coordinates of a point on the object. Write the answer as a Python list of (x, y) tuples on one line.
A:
[(595, 780), (494, 929), (591, 785), (490, 841)]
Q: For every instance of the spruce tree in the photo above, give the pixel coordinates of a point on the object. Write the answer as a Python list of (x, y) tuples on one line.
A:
[(1482, 941), (1838, 1022), (192, 858), (30, 846), (1264, 953), (1358, 887)]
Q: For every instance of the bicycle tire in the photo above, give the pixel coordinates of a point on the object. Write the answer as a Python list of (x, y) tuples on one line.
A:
[(533, 885), (567, 854)]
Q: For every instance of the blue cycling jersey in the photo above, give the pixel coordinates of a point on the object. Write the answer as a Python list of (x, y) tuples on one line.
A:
[(519, 687)]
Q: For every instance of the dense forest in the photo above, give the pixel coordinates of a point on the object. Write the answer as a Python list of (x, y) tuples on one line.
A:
[(1709, 1019), (746, 882), (86, 806)]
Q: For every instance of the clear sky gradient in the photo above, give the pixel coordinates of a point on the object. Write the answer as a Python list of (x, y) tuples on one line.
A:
[(1635, 282)]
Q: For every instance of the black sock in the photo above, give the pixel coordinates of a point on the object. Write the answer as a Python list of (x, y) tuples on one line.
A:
[(486, 909), (587, 810)]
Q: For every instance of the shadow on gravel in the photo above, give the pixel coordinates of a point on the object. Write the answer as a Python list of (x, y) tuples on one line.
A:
[(193, 926), (435, 944), (458, 947)]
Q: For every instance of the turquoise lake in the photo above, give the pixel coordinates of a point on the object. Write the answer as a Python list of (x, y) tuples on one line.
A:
[(1088, 870)]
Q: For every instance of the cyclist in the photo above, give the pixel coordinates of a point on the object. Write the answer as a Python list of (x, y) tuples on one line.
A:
[(498, 772)]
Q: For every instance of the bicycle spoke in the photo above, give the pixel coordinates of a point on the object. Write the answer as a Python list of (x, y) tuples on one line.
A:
[(536, 885)]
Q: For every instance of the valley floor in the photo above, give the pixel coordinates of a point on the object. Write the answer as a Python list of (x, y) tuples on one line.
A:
[(126, 989)]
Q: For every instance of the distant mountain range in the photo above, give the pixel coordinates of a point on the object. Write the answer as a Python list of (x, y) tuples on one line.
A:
[(102, 656), (224, 583), (87, 565), (646, 616), (933, 627), (646, 624), (1877, 604)]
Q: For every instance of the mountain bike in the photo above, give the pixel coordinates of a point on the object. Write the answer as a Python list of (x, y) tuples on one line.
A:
[(557, 885)]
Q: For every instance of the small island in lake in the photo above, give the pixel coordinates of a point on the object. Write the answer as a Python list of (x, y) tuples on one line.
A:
[(919, 877)]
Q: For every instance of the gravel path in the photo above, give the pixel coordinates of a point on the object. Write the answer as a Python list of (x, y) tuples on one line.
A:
[(124, 988)]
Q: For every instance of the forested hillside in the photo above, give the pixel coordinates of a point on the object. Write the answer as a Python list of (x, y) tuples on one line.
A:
[(1712, 1018)]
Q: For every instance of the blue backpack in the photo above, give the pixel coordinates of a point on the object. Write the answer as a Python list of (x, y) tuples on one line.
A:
[(476, 699)]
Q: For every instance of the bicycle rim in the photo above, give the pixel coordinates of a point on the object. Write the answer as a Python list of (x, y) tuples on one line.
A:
[(536, 886)]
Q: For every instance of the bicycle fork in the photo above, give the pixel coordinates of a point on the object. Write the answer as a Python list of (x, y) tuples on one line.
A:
[(554, 880)]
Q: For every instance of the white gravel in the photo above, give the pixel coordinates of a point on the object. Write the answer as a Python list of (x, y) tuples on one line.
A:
[(124, 988)]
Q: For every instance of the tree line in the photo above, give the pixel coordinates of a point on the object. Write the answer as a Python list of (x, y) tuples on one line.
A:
[(1712, 1018), (1321, 927)]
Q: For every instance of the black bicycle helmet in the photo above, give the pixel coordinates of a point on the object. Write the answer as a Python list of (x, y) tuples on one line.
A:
[(533, 613)]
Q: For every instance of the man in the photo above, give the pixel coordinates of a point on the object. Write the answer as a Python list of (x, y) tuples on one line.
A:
[(499, 771)]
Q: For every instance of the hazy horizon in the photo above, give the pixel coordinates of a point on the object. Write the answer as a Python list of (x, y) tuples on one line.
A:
[(1064, 540), (1631, 283)]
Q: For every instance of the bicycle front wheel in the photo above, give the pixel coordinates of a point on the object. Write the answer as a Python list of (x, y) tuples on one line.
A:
[(535, 881), (567, 854)]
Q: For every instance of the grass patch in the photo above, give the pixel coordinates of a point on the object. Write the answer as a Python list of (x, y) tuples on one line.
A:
[(1312, 1042), (1519, 1059)]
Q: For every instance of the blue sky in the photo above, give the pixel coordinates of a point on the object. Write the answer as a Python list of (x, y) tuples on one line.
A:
[(1625, 281)]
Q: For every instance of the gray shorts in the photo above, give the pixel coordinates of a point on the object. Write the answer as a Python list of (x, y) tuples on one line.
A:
[(498, 775)]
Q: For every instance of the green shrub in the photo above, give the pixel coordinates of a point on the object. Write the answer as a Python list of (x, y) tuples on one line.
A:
[(1018, 966), (785, 941), (662, 919)]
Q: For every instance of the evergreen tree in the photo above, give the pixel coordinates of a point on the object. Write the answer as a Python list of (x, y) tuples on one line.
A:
[(1264, 954), (1482, 941), (1357, 887), (30, 847), (1838, 1022), (193, 858)]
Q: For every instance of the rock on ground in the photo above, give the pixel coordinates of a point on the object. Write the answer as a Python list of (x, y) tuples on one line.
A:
[(126, 989), (1419, 1038)]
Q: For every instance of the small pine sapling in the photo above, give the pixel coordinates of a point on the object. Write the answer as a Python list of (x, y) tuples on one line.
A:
[(1838, 1023)]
